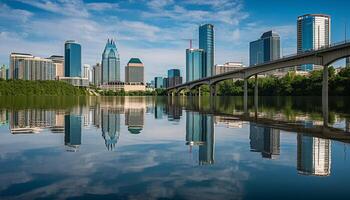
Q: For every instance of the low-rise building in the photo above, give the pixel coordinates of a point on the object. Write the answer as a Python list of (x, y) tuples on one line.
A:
[(228, 67)]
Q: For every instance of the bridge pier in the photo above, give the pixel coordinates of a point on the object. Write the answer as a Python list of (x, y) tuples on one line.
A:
[(245, 96), (325, 96), (256, 94), (199, 91), (213, 90)]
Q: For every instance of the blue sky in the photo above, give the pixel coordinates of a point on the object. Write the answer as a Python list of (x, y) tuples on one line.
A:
[(155, 30)]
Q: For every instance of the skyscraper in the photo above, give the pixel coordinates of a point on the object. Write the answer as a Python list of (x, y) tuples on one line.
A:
[(72, 59), (110, 63), (314, 32), (200, 132), (134, 71), (174, 77), (314, 156), (158, 82), (206, 42), (265, 140), (72, 132), (265, 49), (110, 127), (195, 64)]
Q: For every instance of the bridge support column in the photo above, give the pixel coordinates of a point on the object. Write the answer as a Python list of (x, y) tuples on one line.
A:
[(256, 88), (325, 96), (199, 91), (213, 90), (245, 96)]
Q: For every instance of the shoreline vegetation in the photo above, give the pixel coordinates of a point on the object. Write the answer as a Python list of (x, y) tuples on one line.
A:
[(289, 85)]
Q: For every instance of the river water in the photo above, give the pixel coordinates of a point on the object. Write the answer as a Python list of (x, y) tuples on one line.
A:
[(174, 148)]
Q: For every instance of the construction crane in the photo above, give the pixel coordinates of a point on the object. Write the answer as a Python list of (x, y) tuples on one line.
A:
[(190, 40)]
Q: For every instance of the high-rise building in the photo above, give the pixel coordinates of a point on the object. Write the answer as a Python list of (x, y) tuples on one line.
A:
[(110, 127), (28, 67), (3, 72), (72, 132), (200, 132), (174, 77), (265, 140), (110, 63), (58, 61), (265, 49), (195, 64), (313, 156), (228, 67), (96, 74), (72, 59), (206, 42), (134, 71), (313, 32), (158, 82)]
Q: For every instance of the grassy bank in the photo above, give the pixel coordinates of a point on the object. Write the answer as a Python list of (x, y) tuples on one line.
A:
[(38, 88)]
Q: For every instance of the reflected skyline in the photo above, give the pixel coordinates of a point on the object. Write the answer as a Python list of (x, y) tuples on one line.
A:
[(177, 144)]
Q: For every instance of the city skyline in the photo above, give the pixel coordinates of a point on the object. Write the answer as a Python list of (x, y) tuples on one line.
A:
[(153, 26)]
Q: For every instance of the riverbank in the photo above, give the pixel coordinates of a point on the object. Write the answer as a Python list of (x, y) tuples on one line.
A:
[(39, 88)]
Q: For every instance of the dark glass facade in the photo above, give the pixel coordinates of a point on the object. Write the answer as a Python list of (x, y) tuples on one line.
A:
[(174, 77), (266, 49), (72, 59), (195, 64), (110, 63), (158, 82), (206, 42)]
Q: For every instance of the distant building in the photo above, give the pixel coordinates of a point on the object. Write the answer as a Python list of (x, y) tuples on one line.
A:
[(72, 59), (228, 67), (3, 72), (96, 74), (206, 42), (174, 77), (265, 49), (134, 71), (87, 72), (165, 82), (127, 87), (28, 67), (313, 156), (158, 82), (58, 61), (195, 64), (265, 140), (110, 63), (313, 32)]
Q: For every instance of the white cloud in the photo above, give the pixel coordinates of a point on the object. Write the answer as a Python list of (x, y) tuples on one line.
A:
[(100, 6), (16, 15), (74, 8)]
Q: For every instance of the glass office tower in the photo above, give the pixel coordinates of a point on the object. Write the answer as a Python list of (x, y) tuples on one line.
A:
[(72, 132), (314, 32), (174, 78), (72, 59), (265, 49), (206, 42), (195, 64), (158, 82), (110, 63)]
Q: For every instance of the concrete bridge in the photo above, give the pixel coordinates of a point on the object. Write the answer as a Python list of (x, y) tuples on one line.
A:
[(323, 56)]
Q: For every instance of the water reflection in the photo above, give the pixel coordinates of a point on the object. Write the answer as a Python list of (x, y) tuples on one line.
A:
[(153, 139)]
